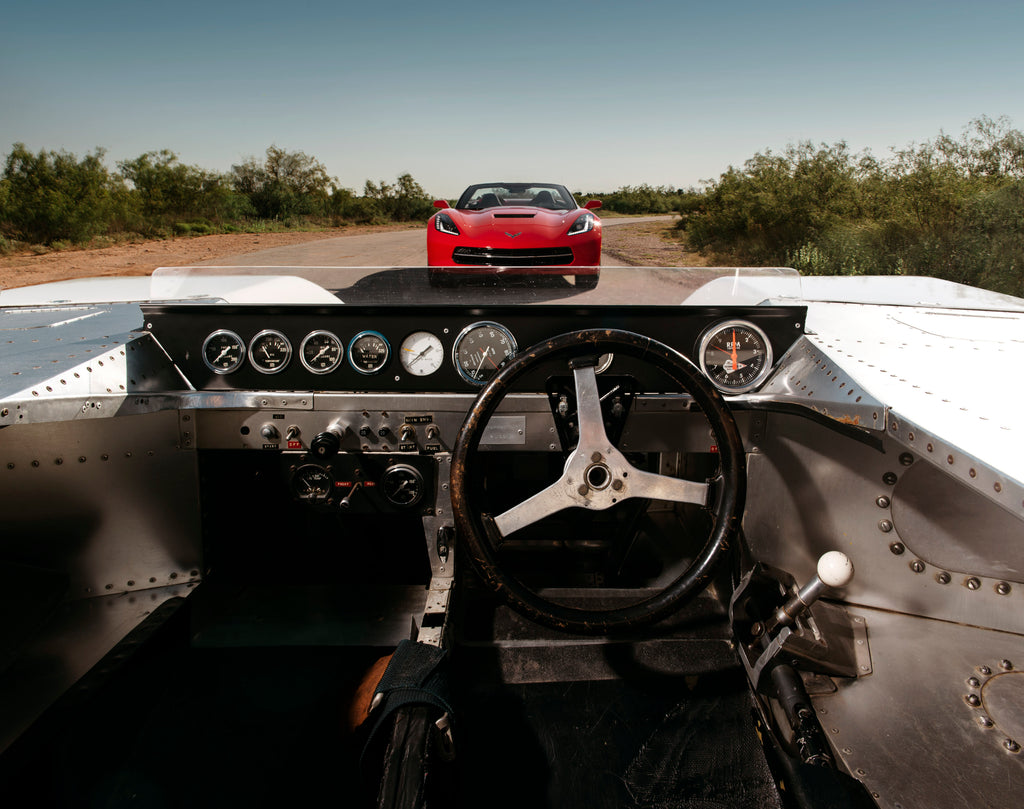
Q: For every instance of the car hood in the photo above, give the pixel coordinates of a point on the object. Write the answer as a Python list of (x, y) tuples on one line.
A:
[(514, 219)]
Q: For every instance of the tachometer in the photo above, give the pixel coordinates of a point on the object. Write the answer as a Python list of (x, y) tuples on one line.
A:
[(369, 352), (481, 350), (223, 351), (736, 356), (270, 352), (321, 352), (421, 353)]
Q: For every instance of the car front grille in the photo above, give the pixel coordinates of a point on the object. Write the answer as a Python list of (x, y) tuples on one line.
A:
[(498, 257)]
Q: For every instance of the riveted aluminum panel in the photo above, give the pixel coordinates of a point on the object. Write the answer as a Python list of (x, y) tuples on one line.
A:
[(812, 490), (912, 732), (113, 503)]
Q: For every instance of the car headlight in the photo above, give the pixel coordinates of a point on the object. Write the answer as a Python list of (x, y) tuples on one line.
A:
[(443, 222), (583, 224)]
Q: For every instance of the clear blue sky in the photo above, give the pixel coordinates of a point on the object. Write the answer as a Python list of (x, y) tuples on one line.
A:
[(593, 94)]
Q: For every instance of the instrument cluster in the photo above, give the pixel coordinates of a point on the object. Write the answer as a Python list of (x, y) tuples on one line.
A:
[(351, 348), (478, 352)]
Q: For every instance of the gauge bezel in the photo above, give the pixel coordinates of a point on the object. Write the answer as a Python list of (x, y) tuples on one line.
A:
[(284, 363), (435, 340), (241, 354), (414, 473), (762, 374), (321, 333), (387, 353), (317, 469), (466, 331)]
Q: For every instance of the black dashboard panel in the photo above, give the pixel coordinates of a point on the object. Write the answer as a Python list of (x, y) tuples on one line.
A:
[(182, 330)]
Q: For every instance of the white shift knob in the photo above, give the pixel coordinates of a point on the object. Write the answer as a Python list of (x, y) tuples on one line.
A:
[(835, 569)]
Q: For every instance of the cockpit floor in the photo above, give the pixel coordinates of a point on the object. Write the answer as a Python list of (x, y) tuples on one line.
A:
[(684, 743)]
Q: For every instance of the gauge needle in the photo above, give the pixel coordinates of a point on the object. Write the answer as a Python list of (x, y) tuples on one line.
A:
[(267, 353), (736, 365), (483, 356), (222, 353), (735, 356)]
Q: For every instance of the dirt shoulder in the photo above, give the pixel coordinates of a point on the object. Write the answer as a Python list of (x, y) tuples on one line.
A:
[(142, 257), (643, 244)]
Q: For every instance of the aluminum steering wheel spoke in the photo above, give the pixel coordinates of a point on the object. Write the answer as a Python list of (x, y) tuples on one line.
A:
[(596, 475)]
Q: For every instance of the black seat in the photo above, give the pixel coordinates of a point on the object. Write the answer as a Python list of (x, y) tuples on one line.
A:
[(544, 200), (488, 201)]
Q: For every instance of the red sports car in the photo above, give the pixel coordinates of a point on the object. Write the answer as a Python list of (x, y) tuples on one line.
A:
[(510, 226)]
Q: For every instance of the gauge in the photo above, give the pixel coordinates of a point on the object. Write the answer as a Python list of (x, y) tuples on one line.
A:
[(402, 484), (421, 353), (223, 351), (369, 352), (270, 351), (481, 350), (736, 356), (312, 483), (320, 352)]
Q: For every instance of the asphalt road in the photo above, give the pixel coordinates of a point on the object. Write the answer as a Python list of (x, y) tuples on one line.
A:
[(402, 248)]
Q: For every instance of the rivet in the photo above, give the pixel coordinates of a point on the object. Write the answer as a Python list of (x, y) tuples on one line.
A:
[(972, 583), (889, 478), (972, 473), (1005, 665), (897, 548), (1003, 588), (985, 722), (943, 577), (582, 489), (973, 700), (973, 682), (931, 448), (617, 485), (949, 459), (906, 459), (998, 487), (985, 670), (1011, 745), (885, 526), (81, 459), (882, 502), (58, 461), (596, 457), (917, 566)]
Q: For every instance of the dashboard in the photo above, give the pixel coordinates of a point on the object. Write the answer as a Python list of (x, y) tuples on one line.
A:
[(448, 348), (354, 407)]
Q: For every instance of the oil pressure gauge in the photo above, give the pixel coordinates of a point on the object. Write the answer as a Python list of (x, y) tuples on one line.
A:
[(736, 356), (223, 351), (402, 484)]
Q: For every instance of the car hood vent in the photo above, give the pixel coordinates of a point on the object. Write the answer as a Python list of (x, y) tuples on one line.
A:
[(514, 215)]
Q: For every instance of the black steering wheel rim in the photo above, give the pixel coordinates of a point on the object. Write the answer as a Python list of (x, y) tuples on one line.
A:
[(727, 511)]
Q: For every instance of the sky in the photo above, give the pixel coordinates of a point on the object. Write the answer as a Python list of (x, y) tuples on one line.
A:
[(592, 94)]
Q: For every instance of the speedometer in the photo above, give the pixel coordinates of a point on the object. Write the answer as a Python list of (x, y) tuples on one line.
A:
[(736, 356), (481, 350)]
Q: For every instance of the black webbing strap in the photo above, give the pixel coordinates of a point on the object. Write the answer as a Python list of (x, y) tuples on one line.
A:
[(414, 676)]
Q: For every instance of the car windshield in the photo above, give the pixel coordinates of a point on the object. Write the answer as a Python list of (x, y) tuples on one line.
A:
[(531, 195), (405, 286)]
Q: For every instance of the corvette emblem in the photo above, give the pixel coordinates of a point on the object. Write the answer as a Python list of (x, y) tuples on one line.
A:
[(513, 235)]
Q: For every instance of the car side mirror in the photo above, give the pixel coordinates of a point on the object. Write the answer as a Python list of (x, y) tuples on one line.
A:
[(441, 203), (592, 205)]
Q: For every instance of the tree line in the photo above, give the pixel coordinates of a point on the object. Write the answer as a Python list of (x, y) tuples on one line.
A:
[(951, 207), (53, 198)]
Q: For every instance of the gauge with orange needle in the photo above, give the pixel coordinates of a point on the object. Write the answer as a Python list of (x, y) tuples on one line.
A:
[(736, 356)]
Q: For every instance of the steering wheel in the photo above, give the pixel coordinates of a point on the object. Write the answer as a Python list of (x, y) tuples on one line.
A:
[(596, 476)]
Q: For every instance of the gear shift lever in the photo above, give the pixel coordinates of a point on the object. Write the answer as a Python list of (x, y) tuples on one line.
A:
[(834, 570)]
